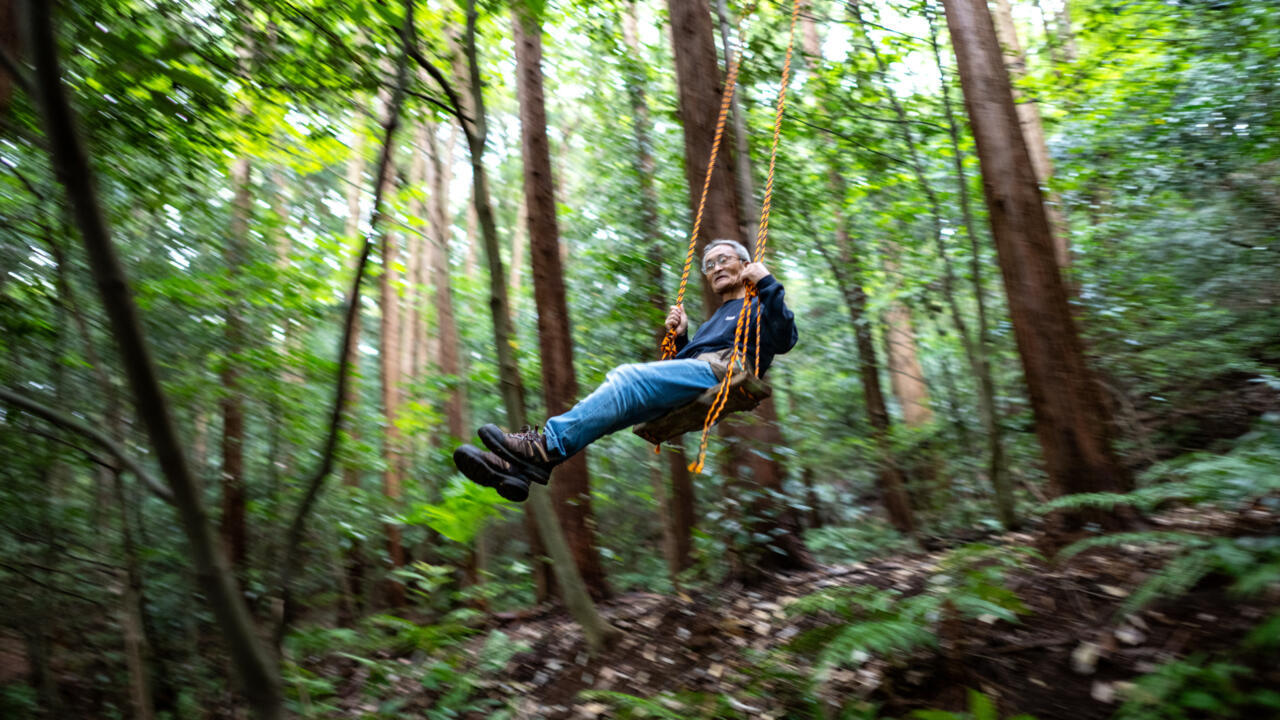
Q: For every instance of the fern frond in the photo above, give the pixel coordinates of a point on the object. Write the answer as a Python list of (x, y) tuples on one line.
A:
[(1134, 538)]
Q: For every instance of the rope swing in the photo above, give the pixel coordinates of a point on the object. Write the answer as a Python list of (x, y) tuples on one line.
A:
[(754, 389)]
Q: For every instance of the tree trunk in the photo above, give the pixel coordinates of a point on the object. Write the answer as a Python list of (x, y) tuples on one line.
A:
[(544, 524), (449, 347), (889, 477), (351, 601), (906, 377), (746, 188), (698, 84), (1072, 422), (677, 507), (996, 467), (257, 671), (1032, 130), (232, 402), (389, 366), (571, 486)]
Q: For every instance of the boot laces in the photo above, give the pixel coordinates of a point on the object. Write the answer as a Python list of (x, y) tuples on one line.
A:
[(531, 441)]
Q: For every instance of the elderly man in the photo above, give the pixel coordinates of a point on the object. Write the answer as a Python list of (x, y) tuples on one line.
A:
[(641, 392)]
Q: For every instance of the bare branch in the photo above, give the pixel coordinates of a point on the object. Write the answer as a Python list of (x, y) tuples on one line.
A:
[(67, 422)]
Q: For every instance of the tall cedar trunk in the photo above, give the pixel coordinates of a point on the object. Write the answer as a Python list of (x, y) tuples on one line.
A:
[(996, 466), (906, 377), (1072, 421), (698, 83), (698, 80), (232, 402), (351, 600), (845, 267), (256, 669), (449, 357), (746, 188), (571, 485), (389, 365), (518, 232), (1032, 130), (677, 508)]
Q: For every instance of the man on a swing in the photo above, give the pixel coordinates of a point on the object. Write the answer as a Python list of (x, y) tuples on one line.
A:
[(641, 392)]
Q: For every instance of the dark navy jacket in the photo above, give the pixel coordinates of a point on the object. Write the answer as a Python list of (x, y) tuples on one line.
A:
[(777, 327)]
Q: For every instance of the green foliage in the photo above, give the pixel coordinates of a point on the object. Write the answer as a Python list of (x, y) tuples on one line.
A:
[(1247, 473), (1251, 563), (1197, 687), (461, 513), (969, 584), (981, 707), (673, 706), (869, 537)]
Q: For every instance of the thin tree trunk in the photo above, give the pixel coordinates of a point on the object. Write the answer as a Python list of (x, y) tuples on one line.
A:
[(844, 266), (746, 188), (389, 363), (257, 671), (1072, 421), (137, 650), (906, 377), (571, 484), (232, 402), (677, 508), (996, 467), (518, 233), (449, 347), (598, 634), (350, 602)]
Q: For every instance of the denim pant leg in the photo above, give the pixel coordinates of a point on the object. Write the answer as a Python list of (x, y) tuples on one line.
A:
[(630, 394)]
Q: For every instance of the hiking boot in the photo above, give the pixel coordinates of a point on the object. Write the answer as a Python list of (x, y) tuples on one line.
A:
[(526, 450), (489, 470)]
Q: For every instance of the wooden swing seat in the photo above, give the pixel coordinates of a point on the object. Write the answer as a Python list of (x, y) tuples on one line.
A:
[(746, 391)]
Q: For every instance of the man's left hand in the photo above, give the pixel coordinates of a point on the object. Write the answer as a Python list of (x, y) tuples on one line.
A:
[(755, 272)]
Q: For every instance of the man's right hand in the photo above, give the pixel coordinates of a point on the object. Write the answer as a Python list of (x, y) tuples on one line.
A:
[(677, 320)]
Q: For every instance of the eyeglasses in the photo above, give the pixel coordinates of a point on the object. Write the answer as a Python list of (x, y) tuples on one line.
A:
[(712, 263)]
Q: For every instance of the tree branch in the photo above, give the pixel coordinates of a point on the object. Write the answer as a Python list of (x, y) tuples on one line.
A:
[(67, 422), (851, 141)]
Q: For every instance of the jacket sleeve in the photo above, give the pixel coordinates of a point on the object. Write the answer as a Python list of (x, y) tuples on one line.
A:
[(681, 340), (779, 327)]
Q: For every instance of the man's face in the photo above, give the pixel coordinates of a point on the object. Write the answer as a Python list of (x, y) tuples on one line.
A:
[(723, 268)]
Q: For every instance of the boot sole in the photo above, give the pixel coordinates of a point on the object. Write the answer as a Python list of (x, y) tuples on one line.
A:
[(492, 435), (468, 461)]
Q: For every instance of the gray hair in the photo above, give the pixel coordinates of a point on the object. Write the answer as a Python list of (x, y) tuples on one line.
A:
[(738, 248)]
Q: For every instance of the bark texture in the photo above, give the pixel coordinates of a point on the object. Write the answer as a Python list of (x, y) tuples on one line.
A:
[(1073, 423), (1032, 129)]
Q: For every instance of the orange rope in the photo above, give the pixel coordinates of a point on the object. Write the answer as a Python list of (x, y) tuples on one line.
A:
[(669, 341), (762, 237)]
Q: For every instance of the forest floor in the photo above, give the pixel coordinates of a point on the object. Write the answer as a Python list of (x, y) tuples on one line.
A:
[(1069, 657)]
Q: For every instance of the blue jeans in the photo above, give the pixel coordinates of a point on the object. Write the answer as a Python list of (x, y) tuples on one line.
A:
[(631, 394)]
